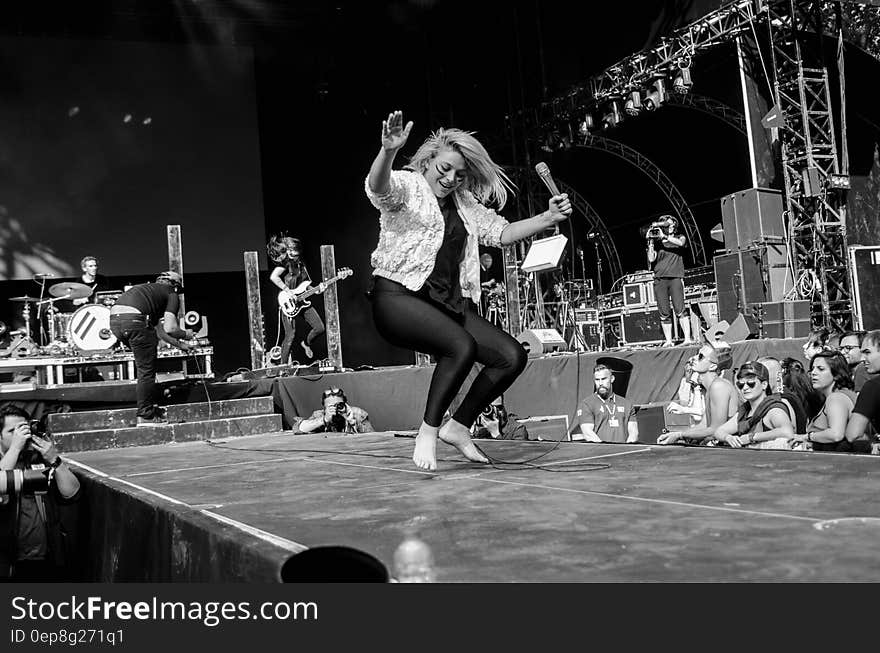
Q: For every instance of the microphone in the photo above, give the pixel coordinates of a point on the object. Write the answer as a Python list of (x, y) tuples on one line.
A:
[(544, 173)]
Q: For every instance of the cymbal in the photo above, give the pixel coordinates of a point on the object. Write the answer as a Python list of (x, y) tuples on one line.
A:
[(70, 290), (43, 275), (25, 298)]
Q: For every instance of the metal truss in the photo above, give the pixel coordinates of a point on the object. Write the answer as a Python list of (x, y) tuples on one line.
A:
[(816, 212), (712, 107), (638, 70), (655, 174)]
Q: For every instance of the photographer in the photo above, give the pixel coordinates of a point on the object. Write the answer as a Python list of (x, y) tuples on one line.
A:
[(337, 416), (34, 543), (666, 249)]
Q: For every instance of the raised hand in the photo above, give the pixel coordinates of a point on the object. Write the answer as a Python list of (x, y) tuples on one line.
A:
[(559, 208), (394, 134)]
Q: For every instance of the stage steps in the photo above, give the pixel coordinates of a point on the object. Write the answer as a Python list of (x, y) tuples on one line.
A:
[(107, 429)]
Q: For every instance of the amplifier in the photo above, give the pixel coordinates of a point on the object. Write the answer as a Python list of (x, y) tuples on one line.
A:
[(590, 332), (610, 300), (653, 420), (640, 276), (587, 315), (701, 276)]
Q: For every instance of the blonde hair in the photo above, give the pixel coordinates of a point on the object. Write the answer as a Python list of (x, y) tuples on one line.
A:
[(485, 179)]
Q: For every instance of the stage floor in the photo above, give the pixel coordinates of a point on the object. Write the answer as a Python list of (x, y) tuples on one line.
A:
[(654, 514)]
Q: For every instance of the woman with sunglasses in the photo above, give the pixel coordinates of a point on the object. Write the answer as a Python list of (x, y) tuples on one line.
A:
[(426, 271), (830, 375), (763, 421)]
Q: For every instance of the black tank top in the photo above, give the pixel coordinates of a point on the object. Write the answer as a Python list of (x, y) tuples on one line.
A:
[(443, 285)]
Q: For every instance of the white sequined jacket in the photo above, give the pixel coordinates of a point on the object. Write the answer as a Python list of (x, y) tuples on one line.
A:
[(411, 230)]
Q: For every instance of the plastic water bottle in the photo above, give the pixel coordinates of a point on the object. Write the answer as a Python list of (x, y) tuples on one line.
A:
[(413, 561)]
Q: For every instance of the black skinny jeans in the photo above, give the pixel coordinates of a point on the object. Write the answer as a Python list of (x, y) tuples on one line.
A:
[(664, 289), (316, 329), (408, 320), (137, 334)]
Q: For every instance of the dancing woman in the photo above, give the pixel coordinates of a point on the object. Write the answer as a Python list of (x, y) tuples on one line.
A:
[(427, 273)]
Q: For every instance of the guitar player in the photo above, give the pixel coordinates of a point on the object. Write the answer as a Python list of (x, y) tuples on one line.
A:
[(290, 271)]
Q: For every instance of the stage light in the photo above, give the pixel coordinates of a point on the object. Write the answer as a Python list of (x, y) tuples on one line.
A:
[(633, 105), (587, 125), (656, 97), (612, 117), (682, 83), (839, 181)]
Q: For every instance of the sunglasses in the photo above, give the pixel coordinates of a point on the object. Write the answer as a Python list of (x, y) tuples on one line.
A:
[(330, 392), (848, 347), (740, 383)]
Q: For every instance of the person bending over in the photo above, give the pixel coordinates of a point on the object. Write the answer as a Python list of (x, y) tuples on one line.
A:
[(426, 272), (140, 317)]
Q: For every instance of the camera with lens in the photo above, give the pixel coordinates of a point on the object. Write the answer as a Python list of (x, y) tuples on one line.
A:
[(341, 408), (656, 230), (24, 481)]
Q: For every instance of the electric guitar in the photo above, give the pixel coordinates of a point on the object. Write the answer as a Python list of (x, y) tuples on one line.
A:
[(293, 300)]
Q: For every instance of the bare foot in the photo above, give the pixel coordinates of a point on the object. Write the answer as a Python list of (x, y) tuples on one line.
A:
[(425, 452), (459, 436)]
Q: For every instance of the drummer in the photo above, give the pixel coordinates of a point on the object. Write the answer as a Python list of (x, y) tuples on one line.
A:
[(90, 277)]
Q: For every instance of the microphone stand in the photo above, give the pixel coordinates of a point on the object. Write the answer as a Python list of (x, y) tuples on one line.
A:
[(599, 292)]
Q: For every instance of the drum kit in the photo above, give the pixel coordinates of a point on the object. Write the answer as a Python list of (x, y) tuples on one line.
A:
[(84, 331)]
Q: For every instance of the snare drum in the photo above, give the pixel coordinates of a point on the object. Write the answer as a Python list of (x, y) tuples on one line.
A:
[(89, 328)]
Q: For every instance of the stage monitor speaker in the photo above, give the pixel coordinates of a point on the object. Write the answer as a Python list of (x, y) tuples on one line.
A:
[(742, 328), (865, 270), (653, 420), (537, 342), (751, 216)]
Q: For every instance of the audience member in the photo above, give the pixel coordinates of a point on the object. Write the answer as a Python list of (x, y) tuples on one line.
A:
[(722, 399), (867, 409), (851, 347), (690, 399), (605, 416), (35, 540), (764, 421), (834, 339), (796, 382), (336, 416), (830, 376), (777, 385), (816, 342)]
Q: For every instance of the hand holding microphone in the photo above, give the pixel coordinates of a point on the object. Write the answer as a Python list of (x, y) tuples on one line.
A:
[(559, 207)]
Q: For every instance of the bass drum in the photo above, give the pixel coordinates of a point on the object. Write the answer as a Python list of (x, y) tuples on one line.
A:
[(89, 328)]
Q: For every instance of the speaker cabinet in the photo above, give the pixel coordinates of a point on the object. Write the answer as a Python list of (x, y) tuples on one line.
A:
[(865, 270), (541, 341), (751, 216), (750, 276)]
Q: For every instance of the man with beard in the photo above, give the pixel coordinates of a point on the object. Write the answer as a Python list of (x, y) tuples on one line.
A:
[(722, 399), (605, 416)]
